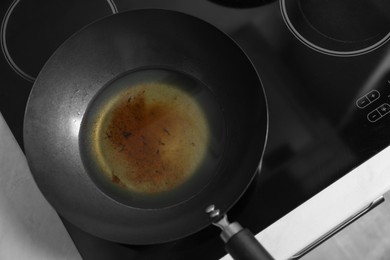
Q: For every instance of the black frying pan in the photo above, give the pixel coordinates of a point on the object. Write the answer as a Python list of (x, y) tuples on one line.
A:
[(89, 71)]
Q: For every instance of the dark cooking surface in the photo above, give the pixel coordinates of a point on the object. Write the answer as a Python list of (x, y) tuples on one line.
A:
[(320, 112)]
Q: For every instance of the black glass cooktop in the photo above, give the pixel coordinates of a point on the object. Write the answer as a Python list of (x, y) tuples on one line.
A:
[(328, 97)]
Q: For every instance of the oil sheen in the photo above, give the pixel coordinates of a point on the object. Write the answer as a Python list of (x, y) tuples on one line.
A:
[(149, 132)]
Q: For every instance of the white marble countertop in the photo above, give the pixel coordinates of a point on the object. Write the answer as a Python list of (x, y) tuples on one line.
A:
[(31, 229), (29, 226)]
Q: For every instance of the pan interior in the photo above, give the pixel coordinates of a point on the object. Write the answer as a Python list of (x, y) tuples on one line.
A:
[(152, 138)]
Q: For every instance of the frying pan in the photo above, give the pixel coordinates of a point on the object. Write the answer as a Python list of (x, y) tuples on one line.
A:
[(83, 75)]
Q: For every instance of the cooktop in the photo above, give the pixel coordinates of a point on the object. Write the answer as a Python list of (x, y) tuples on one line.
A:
[(327, 86)]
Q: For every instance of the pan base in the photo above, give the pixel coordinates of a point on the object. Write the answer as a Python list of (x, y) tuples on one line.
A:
[(146, 139)]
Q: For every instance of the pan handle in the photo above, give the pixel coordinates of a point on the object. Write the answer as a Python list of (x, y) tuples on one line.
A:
[(240, 243), (244, 246)]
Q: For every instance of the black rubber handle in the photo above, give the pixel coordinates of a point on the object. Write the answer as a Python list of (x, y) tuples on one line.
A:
[(244, 246)]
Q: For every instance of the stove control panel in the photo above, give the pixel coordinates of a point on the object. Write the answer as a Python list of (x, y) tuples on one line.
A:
[(376, 102)]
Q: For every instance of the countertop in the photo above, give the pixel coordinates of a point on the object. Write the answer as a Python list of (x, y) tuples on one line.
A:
[(29, 226)]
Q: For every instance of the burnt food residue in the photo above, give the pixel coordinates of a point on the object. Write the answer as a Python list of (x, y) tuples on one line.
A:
[(154, 143)]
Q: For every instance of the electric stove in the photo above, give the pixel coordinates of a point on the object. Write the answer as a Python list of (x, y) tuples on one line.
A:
[(328, 92)]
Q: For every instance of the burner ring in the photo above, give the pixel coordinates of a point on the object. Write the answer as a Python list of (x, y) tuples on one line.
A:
[(3, 41), (310, 35)]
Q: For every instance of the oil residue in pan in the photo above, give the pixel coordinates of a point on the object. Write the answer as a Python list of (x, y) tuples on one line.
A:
[(152, 138)]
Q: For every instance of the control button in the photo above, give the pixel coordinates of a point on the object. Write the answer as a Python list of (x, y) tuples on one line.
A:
[(368, 98), (384, 109), (373, 95), (363, 102), (374, 116)]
